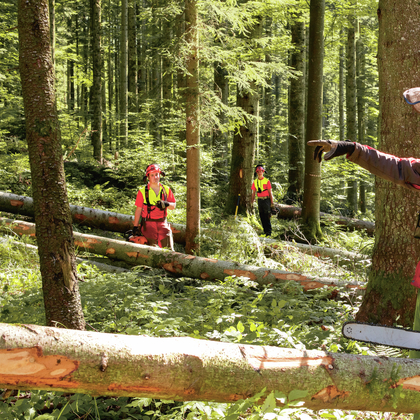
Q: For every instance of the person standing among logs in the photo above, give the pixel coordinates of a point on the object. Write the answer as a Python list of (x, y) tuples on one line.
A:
[(262, 186), (152, 203)]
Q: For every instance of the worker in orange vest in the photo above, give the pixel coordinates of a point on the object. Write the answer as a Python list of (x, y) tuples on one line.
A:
[(152, 203), (262, 187)]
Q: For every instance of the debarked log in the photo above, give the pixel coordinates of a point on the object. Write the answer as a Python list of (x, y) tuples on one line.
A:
[(186, 369), (184, 265)]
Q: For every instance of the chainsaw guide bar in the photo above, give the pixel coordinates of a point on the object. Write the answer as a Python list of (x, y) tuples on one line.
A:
[(382, 334)]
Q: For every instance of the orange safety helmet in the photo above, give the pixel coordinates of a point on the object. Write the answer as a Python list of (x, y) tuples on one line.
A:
[(154, 167)]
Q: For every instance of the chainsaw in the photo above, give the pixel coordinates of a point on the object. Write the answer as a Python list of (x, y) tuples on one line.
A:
[(383, 335)]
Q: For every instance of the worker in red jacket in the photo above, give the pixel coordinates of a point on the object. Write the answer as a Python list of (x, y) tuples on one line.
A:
[(152, 203), (262, 187)]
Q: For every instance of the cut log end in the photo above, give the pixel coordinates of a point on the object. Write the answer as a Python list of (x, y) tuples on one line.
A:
[(29, 365)]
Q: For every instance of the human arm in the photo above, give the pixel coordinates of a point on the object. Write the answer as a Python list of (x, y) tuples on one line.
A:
[(137, 215), (401, 171), (270, 193), (139, 209)]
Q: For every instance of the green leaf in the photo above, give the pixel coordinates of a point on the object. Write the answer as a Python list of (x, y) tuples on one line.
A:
[(297, 394), (269, 403)]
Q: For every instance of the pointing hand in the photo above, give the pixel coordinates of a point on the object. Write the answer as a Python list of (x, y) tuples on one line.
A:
[(332, 148)]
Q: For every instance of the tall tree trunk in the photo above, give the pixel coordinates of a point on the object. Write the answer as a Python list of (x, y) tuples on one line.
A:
[(51, 8), (220, 137), (132, 65), (166, 84), (341, 120), (123, 91), (70, 68), (361, 109), (351, 109), (192, 129), (312, 182), (390, 295), (297, 111), (244, 141), (51, 207), (84, 95), (266, 137), (96, 102), (180, 75)]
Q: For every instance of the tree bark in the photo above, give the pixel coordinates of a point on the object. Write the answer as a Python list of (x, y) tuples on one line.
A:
[(312, 181), (297, 112), (182, 264), (192, 130), (245, 139), (51, 208), (123, 84), (361, 109), (96, 102), (351, 109), (390, 295), (34, 357), (132, 66), (220, 137)]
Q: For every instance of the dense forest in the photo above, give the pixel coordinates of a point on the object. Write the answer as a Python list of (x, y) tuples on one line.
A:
[(91, 93)]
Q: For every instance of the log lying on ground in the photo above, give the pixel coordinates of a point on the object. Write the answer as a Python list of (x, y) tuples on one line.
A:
[(291, 212), (118, 222), (100, 265), (83, 216), (182, 264), (317, 251), (187, 369)]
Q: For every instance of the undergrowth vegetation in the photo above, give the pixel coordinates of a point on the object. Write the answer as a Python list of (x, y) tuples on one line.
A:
[(146, 301)]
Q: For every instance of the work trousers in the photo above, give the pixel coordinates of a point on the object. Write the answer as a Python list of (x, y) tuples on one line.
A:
[(264, 208), (158, 233)]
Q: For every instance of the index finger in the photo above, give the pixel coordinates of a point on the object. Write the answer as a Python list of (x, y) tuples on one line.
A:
[(316, 142)]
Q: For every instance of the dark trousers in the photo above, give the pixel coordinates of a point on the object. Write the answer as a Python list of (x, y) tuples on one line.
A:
[(264, 208)]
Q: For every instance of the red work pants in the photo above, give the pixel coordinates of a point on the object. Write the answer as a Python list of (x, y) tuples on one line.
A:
[(157, 233)]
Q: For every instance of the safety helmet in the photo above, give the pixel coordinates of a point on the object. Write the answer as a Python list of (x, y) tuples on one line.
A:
[(412, 97), (259, 168), (152, 168)]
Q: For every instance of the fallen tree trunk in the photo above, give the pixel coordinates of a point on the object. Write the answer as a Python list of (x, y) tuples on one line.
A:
[(118, 222), (186, 369), (183, 264), (100, 265), (291, 212), (84, 216), (317, 251)]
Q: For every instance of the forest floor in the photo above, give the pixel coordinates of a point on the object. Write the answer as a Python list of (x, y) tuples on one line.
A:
[(147, 301)]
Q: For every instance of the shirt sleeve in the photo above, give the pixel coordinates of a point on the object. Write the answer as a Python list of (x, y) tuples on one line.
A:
[(268, 185), (139, 199), (402, 171), (171, 197), (253, 186)]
